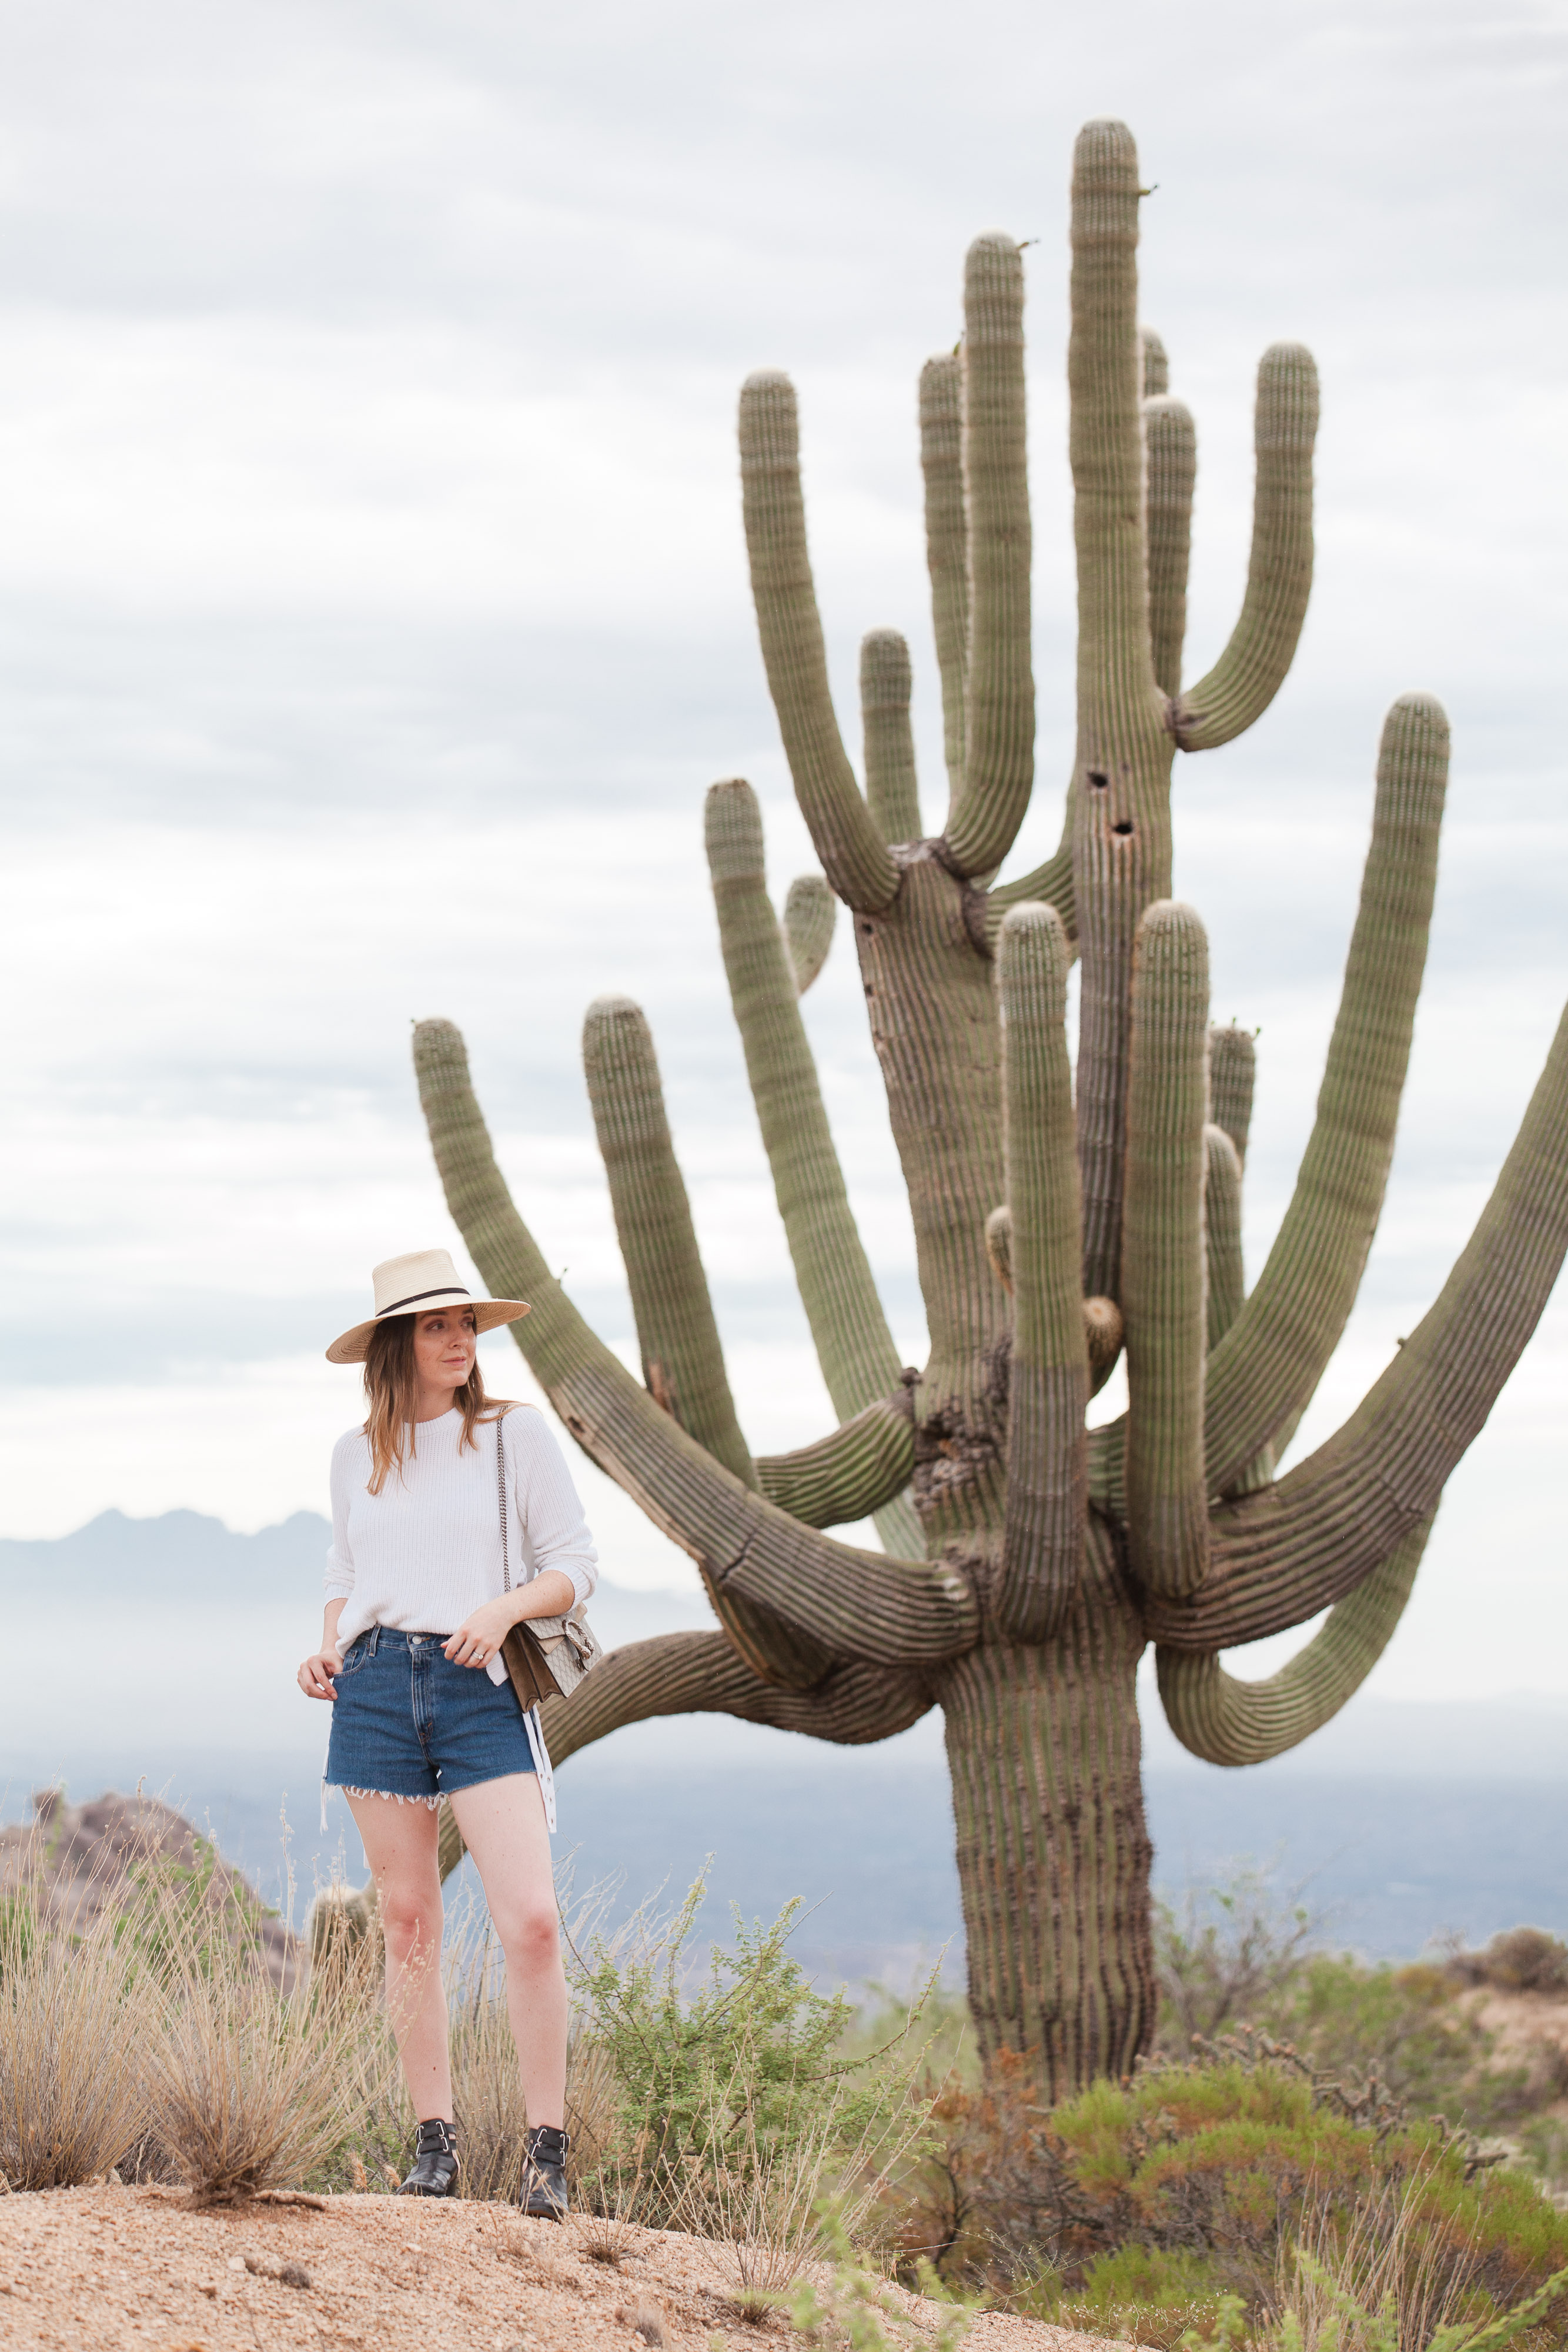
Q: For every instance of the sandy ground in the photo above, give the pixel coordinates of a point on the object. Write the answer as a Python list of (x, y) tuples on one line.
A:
[(101, 2267)]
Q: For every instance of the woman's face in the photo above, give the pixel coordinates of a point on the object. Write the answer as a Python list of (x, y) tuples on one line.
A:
[(443, 1345)]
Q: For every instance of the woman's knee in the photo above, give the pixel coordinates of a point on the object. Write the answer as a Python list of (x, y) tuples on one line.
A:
[(411, 1915), (531, 1933)]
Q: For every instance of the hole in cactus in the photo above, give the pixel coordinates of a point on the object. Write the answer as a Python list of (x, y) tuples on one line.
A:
[(1125, 826), (1097, 779)]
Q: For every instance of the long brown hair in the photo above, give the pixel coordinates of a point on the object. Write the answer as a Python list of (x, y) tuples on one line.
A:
[(392, 1386)]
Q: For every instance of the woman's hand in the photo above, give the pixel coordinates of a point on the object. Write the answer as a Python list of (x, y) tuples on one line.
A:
[(315, 1676), (480, 1637)]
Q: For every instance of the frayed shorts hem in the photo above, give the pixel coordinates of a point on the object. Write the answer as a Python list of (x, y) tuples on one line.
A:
[(430, 1803), (403, 1797)]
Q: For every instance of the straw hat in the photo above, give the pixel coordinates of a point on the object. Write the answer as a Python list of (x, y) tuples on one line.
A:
[(416, 1284)]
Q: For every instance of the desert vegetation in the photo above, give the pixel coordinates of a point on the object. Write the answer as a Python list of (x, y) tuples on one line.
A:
[(1317, 2150)]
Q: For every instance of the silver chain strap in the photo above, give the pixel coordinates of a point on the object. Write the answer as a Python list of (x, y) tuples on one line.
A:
[(501, 1490)]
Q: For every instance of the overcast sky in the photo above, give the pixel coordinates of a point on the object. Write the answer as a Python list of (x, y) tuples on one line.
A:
[(373, 616)]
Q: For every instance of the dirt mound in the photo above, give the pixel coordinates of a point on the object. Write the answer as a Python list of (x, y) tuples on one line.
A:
[(118, 2266), (85, 1856)]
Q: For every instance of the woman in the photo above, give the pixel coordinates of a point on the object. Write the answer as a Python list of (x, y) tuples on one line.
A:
[(417, 1609)]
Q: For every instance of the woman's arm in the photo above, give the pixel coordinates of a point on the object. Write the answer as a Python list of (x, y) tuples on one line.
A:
[(546, 1502), (315, 1676), (545, 1508)]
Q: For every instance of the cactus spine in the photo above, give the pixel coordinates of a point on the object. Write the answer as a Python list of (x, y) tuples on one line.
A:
[(1028, 1563)]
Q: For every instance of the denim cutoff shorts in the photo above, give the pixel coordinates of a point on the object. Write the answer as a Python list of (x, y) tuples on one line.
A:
[(407, 1722)]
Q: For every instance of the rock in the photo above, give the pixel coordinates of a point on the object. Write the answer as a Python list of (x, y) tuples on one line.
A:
[(90, 1853)]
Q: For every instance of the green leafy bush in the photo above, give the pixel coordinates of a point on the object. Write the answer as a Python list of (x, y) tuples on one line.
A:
[(714, 2080), (1136, 2208)]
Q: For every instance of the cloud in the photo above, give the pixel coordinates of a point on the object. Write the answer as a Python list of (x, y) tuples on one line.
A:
[(373, 615)]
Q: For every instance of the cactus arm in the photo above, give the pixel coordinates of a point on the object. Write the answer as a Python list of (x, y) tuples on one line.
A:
[(854, 856), (1049, 885), (1252, 670), (1281, 1555), (1222, 1232), (699, 1674), (1272, 1358), (1156, 364), (851, 1473), (1226, 1277), (1170, 442), (947, 545), (855, 1346), (1042, 1545), (999, 748), (851, 1603), (683, 1360), (1120, 806), (1232, 1067), (1227, 1721), (809, 908), (890, 784), (1163, 1252)]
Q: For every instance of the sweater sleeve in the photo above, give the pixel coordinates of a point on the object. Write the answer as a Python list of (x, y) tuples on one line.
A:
[(339, 1558), (546, 1502)]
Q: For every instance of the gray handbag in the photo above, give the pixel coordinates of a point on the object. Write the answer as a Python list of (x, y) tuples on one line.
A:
[(546, 1657)]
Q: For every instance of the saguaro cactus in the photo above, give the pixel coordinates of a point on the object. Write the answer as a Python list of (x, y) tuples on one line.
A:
[(1053, 1225)]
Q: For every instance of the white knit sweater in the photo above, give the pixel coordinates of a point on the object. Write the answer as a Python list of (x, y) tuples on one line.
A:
[(426, 1552)]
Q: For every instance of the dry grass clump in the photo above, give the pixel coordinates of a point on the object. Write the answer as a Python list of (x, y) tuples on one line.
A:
[(758, 2178), (607, 2168), (1374, 2260), (486, 2094), (70, 2010), (245, 2088)]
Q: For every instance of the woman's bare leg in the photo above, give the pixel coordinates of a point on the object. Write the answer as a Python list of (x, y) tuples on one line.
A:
[(400, 1843), (503, 1826)]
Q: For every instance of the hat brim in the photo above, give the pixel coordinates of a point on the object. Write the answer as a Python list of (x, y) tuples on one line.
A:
[(353, 1346)]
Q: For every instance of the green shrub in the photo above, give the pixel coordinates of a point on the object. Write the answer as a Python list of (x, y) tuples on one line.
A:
[(1136, 2208), (712, 2083), (1141, 2294)]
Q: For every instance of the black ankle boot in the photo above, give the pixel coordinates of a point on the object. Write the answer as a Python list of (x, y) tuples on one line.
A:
[(434, 2170), (544, 2191)]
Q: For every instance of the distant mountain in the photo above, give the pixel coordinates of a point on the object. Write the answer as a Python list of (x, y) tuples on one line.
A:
[(118, 1567)]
